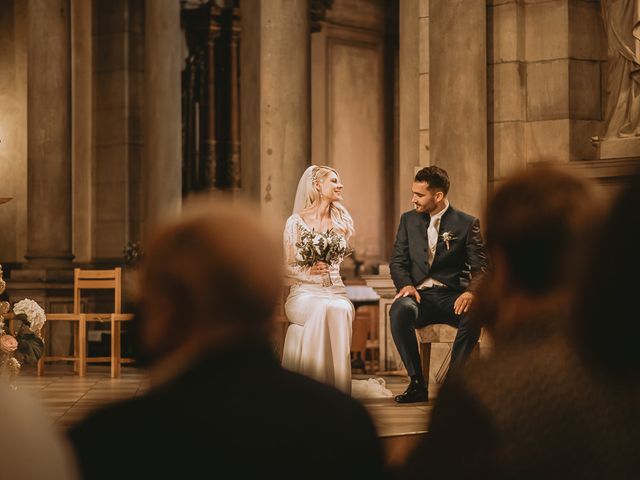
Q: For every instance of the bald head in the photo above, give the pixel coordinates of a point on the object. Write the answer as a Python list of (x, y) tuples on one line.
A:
[(216, 268)]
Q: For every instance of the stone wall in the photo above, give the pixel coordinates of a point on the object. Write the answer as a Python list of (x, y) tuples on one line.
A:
[(546, 61), (349, 111), (118, 73)]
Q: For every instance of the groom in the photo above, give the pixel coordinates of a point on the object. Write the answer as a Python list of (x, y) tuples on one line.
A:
[(437, 257)]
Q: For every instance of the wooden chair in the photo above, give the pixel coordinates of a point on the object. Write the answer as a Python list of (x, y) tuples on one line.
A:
[(372, 354), (79, 328), (280, 324), (95, 280), (437, 333), (364, 340)]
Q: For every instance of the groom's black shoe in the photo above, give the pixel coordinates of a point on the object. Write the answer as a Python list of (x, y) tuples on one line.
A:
[(415, 392)]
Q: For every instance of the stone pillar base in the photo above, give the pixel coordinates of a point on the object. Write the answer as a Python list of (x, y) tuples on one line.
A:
[(42, 276)]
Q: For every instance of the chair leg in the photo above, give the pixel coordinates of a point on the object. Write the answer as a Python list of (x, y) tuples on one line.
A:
[(115, 348), (44, 354), (76, 347), (425, 360), (82, 347)]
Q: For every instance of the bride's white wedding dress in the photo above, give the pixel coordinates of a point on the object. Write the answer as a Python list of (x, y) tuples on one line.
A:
[(318, 340)]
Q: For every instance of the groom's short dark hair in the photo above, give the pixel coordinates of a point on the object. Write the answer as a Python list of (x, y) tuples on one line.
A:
[(436, 177)]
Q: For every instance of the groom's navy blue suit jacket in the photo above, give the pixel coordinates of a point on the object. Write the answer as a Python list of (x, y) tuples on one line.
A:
[(459, 266)]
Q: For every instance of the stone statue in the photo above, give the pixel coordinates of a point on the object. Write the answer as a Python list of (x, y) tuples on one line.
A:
[(622, 26)]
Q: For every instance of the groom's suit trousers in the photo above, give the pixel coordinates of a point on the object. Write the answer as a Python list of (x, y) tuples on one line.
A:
[(436, 306)]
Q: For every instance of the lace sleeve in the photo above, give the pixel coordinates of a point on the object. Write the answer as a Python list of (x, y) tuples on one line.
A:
[(293, 272)]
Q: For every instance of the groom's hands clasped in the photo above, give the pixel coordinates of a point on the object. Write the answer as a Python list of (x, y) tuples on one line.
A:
[(408, 291)]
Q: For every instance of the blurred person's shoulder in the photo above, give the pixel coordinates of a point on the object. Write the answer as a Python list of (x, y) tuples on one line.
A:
[(525, 383), (27, 429), (308, 392)]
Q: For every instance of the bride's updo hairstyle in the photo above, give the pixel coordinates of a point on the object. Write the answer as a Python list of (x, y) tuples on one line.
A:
[(342, 221)]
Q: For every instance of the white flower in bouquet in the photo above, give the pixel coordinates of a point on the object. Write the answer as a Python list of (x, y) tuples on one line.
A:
[(342, 244), (320, 245), (34, 313)]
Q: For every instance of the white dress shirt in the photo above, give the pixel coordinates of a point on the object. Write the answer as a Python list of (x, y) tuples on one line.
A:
[(432, 240)]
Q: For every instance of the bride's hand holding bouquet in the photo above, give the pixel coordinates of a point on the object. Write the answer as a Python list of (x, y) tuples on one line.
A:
[(320, 250)]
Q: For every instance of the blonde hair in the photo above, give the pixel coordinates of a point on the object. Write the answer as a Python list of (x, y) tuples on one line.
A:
[(340, 217)]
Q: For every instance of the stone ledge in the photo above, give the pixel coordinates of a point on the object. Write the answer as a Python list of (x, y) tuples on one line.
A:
[(606, 168), (616, 148)]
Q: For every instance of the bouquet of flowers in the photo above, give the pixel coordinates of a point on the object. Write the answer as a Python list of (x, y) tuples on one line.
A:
[(328, 247), (20, 339)]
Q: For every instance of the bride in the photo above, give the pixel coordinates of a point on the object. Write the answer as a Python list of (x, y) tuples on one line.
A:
[(318, 340)]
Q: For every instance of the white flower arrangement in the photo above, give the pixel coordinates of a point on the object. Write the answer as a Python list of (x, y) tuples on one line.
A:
[(328, 247), (20, 340), (32, 311)]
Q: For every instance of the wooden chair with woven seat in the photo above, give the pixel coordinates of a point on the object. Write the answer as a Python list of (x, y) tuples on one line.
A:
[(110, 279)]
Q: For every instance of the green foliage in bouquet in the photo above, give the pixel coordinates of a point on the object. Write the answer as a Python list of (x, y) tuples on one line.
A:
[(30, 344), (28, 320), (328, 247)]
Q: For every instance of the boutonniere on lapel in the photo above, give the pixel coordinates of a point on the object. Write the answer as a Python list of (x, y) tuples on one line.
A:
[(447, 237)]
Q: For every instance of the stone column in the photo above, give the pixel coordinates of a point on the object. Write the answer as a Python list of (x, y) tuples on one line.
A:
[(458, 106), (47, 275), (49, 135), (82, 126), (162, 140), (278, 80), (409, 121)]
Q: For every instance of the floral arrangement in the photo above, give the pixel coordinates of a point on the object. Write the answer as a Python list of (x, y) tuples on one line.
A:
[(132, 252), (328, 247), (20, 339), (23, 340)]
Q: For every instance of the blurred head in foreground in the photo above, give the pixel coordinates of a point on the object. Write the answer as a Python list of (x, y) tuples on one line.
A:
[(608, 290), (536, 224), (209, 279)]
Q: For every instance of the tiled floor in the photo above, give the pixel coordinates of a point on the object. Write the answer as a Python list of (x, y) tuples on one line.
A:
[(68, 397)]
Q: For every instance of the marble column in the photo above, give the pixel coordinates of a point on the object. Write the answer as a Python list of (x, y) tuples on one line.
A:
[(49, 135), (277, 85), (458, 106), (162, 139)]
